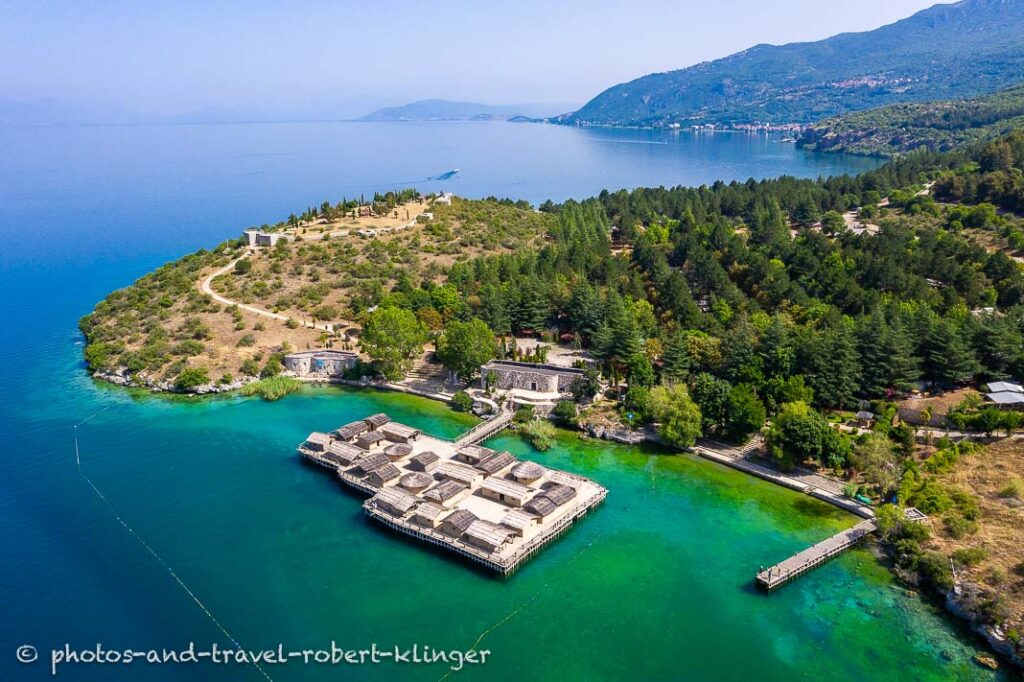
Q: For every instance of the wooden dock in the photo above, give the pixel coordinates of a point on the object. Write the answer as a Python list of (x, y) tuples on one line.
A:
[(814, 556), (486, 428)]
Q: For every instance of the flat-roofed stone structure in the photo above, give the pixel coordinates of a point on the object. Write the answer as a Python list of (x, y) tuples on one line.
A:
[(320, 363), (527, 376)]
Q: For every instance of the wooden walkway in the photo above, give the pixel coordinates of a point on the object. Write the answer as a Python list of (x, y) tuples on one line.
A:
[(485, 429), (812, 557)]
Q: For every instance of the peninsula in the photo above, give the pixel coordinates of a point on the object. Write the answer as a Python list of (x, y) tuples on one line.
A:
[(858, 338)]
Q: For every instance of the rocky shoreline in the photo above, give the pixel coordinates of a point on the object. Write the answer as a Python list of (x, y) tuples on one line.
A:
[(137, 381)]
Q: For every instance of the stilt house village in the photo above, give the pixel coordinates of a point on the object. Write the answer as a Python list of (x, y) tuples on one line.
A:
[(485, 506)]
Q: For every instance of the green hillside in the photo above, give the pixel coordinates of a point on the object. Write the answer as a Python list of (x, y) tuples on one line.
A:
[(938, 126), (953, 51)]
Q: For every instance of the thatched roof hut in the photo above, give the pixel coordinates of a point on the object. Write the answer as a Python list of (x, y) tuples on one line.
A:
[(397, 451), (399, 433), (369, 439), (343, 454), (471, 454), (560, 494), (502, 490), (527, 472), (316, 441), (425, 461), (549, 499), (371, 461), (444, 491), (381, 475), (456, 471), (375, 421), (541, 505), (394, 501), (495, 462), (519, 521), (456, 523), (351, 430), (428, 514), (486, 535), (416, 481)]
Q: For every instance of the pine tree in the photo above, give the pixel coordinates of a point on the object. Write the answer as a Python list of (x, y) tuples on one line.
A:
[(776, 349), (832, 366), (947, 357), (998, 345), (676, 360), (887, 360)]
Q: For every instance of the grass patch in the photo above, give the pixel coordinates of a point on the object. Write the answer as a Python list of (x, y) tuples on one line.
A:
[(538, 433), (272, 388)]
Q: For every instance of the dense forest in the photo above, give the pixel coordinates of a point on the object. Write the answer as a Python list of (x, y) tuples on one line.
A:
[(937, 126), (757, 285)]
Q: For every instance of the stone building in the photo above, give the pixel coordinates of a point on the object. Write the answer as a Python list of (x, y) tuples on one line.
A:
[(261, 238), (327, 363), (530, 377)]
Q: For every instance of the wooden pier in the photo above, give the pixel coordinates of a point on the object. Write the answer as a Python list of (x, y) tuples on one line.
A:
[(486, 429), (814, 556)]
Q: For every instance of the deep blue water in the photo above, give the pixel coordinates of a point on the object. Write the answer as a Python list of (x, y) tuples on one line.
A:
[(213, 486)]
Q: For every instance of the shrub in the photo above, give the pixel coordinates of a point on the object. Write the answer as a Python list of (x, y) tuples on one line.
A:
[(565, 412), (935, 567), (189, 348), (462, 402), (247, 340), (970, 556), (250, 367), (325, 312), (272, 368), (191, 377), (957, 526), (523, 415), (1012, 489), (243, 266), (292, 323)]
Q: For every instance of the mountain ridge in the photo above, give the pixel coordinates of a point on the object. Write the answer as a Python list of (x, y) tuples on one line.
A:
[(964, 49), (448, 110)]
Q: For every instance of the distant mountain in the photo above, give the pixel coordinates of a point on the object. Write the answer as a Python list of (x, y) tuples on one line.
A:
[(50, 111), (939, 126), (59, 112), (944, 52), (445, 110)]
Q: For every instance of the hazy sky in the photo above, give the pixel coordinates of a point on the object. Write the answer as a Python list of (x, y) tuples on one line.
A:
[(165, 57)]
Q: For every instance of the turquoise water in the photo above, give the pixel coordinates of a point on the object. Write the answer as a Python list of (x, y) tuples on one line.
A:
[(656, 584)]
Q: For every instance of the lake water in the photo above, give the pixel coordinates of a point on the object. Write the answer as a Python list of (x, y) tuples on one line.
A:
[(656, 584)]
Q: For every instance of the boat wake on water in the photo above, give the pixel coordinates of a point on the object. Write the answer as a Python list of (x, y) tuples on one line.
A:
[(447, 175)]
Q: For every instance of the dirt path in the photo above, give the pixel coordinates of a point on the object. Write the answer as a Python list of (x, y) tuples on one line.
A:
[(207, 288)]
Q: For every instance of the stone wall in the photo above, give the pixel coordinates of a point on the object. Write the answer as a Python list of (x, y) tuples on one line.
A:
[(324, 363)]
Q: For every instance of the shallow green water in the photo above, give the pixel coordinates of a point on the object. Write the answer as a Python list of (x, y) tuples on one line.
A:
[(655, 584)]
